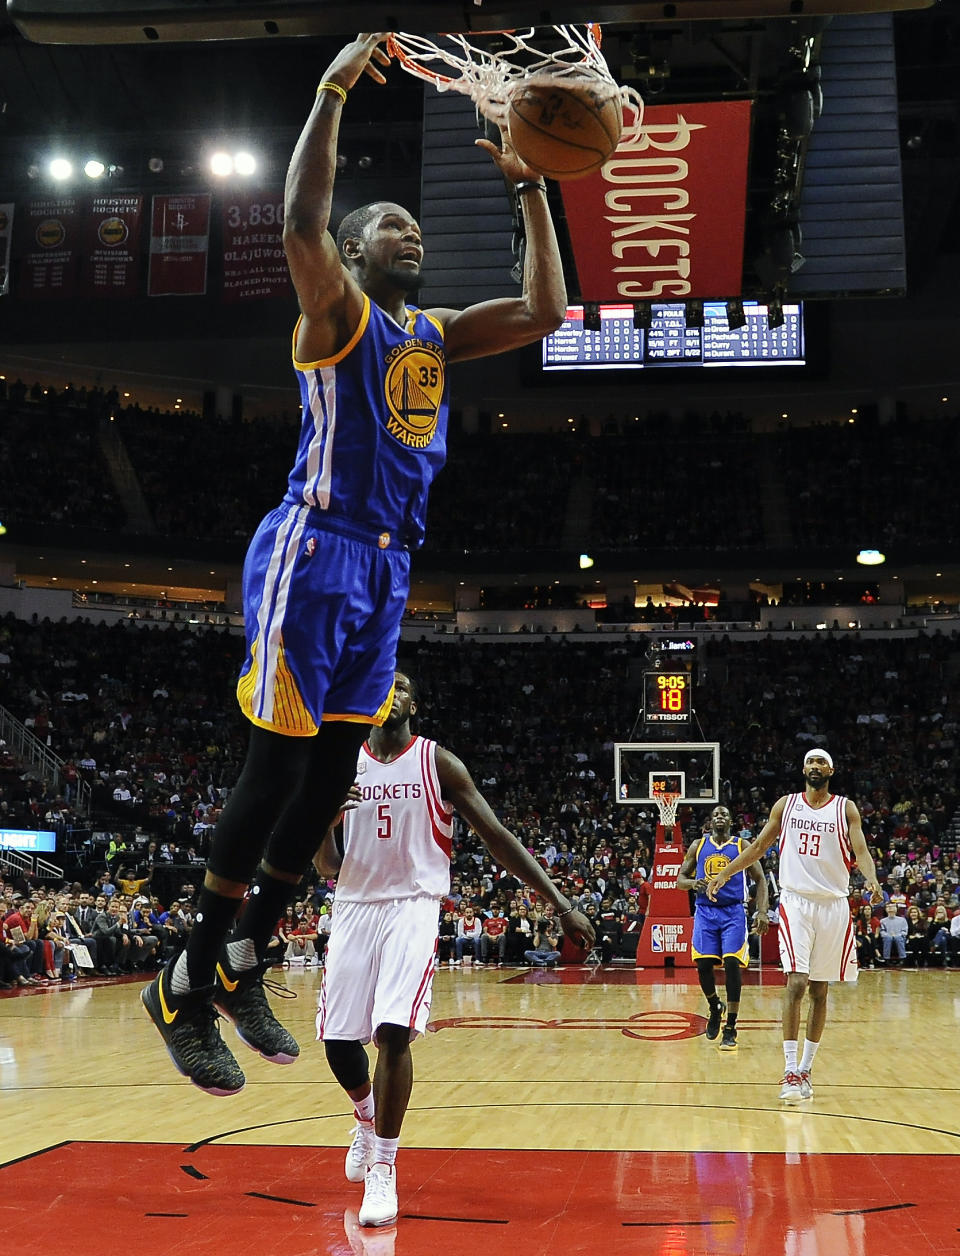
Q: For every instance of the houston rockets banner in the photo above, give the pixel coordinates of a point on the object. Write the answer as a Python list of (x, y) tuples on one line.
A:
[(48, 267), (179, 244), (111, 246), (6, 235), (254, 263), (663, 218)]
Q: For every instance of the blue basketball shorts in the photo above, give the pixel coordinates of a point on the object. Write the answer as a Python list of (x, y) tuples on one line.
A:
[(322, 603), (719, 930)]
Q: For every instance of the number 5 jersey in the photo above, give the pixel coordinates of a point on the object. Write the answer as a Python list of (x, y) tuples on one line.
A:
[(397, 842)]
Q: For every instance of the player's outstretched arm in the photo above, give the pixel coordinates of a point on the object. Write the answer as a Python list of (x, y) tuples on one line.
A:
[(330, 300), (861, 853), (458, 787), (496, 326), (752, 852)]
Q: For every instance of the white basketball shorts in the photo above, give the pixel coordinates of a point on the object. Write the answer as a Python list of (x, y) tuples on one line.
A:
[(379, 968), (816, 938)]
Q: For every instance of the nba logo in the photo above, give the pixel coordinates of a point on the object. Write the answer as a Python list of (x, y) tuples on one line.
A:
[(311, 546), (656, 937)]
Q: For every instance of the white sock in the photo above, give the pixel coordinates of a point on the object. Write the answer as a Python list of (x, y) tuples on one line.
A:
[(242, 954), (179, 977), (364, 1108), (385, 1150), (809, 1051), (790, 1056)]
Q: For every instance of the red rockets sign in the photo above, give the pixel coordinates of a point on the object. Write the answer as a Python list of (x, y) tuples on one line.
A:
[(663, 218)]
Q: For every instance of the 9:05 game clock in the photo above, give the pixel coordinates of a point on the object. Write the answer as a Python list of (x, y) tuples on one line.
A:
[(666, 698)]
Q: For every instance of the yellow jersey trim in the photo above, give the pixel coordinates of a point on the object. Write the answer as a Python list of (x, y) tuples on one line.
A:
[(378, 718), (337, 357), (429, 317)]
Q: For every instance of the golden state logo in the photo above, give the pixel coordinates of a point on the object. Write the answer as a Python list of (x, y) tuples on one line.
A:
[(413, 389), (50, 233), (714, 864), (112, 231)]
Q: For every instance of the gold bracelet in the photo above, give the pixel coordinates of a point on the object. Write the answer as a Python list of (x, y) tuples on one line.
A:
[(328, 86)]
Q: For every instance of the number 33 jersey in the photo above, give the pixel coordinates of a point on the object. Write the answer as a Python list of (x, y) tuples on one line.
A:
[(815, 851), (397, 842)]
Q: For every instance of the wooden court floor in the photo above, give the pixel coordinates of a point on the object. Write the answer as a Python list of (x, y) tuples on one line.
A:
[(575, 1110)]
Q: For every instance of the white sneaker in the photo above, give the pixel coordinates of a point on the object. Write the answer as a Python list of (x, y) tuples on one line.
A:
[(363, 1242), (360, 1151), (790, 1088), (806, 1086), (379, 1205)]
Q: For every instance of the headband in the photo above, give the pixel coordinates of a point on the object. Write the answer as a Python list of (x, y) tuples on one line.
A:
[(824, 754)]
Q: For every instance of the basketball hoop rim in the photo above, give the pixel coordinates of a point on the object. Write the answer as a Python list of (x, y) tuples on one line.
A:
[(667, 803), (413, 66)]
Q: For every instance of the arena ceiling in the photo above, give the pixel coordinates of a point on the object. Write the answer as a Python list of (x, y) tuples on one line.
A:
[(161, 99)]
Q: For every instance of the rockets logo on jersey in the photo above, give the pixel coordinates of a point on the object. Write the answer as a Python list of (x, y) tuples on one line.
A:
[(413, 386)]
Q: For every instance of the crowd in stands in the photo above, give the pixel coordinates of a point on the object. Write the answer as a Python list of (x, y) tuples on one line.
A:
[(52, 470), (148, 717), (712, 485)]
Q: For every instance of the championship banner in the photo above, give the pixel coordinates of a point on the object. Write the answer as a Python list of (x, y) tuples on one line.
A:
[(6, 235), (179, 244), (663, 218), (49, 264), (254, 263), (111, 239)]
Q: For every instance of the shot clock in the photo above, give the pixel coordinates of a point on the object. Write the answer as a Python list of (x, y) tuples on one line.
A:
[(666, 698)]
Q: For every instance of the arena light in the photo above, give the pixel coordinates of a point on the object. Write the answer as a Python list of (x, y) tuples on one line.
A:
[(585, 562), (221, 165), (871, 558), (244, 163), (94, 169), (60, 168)]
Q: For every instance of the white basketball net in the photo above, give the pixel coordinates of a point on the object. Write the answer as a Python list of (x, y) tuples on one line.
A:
[(460, 63), (667, 806)]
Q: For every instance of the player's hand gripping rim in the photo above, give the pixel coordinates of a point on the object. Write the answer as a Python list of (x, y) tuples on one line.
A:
[(358, 58)]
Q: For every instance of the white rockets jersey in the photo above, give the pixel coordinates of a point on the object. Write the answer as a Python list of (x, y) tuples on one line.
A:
[(397, 842), (815, 851)]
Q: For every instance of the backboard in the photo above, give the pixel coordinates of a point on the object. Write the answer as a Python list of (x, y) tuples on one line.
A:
[(690, 768)]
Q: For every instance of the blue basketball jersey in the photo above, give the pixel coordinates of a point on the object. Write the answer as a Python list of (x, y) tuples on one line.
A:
[(374, 426), (711, 857)]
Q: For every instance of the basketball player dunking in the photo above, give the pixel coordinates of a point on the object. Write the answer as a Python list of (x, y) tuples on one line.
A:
[(820, 838), (326, 576), (394, 868)]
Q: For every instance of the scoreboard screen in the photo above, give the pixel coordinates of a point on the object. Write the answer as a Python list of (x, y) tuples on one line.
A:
[(669, 342), (666, 698)]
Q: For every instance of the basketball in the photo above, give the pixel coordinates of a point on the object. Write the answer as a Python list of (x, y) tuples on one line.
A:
[(565, 128)]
